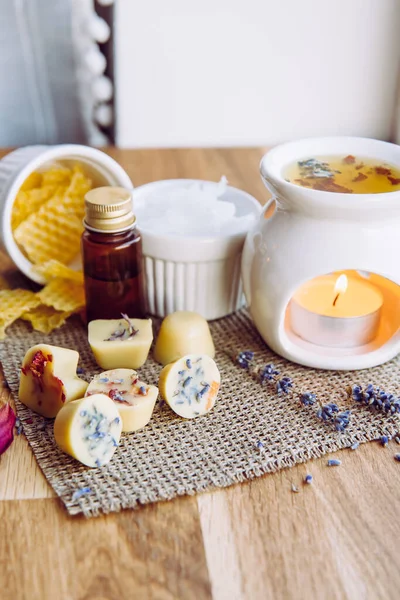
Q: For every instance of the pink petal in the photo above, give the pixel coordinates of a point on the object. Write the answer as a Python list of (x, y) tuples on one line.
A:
[(7, 422)]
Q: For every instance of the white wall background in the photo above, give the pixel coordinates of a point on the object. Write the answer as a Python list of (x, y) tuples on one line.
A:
[(254, 72)]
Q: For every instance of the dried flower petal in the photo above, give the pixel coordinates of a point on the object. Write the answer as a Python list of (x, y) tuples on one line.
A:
[(80, 492), (334, 462), (7, 422)]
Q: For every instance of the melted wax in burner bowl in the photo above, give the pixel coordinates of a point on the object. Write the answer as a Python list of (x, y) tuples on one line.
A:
[(344, 174)]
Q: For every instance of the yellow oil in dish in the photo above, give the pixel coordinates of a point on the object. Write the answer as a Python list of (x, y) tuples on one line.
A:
[(344, 174)]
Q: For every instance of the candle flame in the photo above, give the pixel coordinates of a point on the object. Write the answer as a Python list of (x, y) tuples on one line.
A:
[(341, 284)]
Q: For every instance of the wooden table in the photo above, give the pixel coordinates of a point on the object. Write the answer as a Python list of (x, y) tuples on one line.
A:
[(337, 538)]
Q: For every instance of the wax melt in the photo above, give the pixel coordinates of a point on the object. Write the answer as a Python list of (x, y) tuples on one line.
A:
[(190, 385), (49, 380), (133, 398), (121, 342), (183, 332), (89, 429)]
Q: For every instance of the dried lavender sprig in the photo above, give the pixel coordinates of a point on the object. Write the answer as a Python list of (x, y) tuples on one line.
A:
[(308, 398), (245, 358), (283, 385), (375, 398), (268, 373), (132, 330), (326, 412)]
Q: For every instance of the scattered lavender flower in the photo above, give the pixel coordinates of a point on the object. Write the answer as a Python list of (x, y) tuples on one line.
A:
[(284, 385), (189, 363), (354, 446), (244, 359), (384, 440), (308, 479), (18, 426), (397, 439), (397, 457), (80, 492), (260, 446), (334, 462), (268, 373), (295, 489), (308, 398), (80, 371)]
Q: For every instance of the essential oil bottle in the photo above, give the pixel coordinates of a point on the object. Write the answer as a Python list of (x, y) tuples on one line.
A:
[(112, 256)]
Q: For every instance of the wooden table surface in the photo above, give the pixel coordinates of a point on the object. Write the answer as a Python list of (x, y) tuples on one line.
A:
[(337, 538)]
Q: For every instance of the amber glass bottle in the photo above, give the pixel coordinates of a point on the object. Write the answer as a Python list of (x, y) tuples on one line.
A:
[(112, 256)]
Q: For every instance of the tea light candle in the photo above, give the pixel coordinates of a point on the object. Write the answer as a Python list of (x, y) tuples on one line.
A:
[(339, 312)]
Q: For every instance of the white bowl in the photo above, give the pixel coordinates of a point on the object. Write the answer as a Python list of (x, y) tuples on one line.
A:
[(200, 274), (18, 165)]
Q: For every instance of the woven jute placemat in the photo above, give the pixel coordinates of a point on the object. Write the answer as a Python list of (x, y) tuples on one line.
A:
[(171, 456)]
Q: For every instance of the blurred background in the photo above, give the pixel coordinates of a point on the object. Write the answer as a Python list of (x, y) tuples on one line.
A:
[(212, 73)]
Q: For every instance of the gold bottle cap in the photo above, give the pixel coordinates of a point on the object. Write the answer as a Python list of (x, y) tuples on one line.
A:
[(109, 209)]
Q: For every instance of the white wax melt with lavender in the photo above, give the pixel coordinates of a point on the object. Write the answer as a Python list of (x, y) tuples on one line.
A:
[(193, 233)]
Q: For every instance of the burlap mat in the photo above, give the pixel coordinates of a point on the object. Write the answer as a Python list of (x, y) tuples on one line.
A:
[(172, 457)]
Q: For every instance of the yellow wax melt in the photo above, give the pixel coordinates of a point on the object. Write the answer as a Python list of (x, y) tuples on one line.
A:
[(133, 398), (190, 385), (89, 429), (183, 332), (49, 380), (120, 343)]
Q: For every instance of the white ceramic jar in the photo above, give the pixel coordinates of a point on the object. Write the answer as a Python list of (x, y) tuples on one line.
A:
[(197, 273), (303, 233), (19, 164)]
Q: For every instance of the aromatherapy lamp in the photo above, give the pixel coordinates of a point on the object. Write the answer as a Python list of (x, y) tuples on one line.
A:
[(321, 270)]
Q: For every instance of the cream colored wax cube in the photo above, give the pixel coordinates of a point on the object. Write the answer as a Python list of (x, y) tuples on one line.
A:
[(133, 398), (89, 429), (183, 332), (120, 343), (49, 380)]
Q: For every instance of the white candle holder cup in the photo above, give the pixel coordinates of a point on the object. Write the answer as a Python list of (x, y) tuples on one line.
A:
[(305, 236)]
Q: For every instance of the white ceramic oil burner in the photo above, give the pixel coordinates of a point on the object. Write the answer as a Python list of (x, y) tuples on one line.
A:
[(309, 245)]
